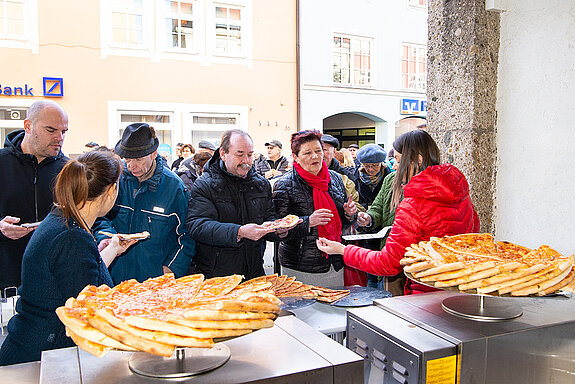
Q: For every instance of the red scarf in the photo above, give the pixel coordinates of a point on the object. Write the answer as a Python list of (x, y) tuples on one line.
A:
[(322, 199)]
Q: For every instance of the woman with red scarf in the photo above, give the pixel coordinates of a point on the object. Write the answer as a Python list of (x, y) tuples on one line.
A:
[(317, 196)]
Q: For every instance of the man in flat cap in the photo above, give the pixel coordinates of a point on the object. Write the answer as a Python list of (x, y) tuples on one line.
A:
[(275, 164), (206, 146), (151, 198), (330, 144)]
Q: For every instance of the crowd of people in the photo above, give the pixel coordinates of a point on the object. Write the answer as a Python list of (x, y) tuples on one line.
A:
[(206, 213)]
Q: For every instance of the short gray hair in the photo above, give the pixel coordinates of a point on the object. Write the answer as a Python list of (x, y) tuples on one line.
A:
[(227, 138)]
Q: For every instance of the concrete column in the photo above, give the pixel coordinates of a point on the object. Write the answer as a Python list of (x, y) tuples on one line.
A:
[(463, 46)]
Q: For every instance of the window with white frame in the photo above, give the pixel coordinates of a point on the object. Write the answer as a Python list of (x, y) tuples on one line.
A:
[(127, 23), (19, 24), (162, 122), (228, 30), (418, 3), (414, 67), (352, 60), (180, 23), (210, 126)]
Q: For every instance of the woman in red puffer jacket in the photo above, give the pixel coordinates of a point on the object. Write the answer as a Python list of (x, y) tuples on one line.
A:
[(435, 203)]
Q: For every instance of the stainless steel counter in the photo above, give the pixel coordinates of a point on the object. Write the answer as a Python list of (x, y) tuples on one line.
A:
[(289, 352)]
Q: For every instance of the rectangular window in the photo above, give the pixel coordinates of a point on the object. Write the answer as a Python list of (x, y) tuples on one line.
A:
[(228, 32), (179, 23), (12, 19), (352, 60), (414, 67), (211, 126), (128, 22), (161, 122)]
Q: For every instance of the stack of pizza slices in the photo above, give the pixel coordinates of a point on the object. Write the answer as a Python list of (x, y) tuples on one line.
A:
[(475, 263), (285, 286), (161, 313)]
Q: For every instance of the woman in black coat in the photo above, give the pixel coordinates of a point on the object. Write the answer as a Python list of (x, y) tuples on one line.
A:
[(317, 196)]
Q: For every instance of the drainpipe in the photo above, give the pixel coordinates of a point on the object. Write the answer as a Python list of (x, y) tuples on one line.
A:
[(297, 66)]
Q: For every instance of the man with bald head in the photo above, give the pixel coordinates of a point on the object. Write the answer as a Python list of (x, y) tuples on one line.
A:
[(29, 162)]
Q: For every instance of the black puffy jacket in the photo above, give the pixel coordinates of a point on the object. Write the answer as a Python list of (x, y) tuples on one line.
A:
[(26, 193), (219, 204), (293, 195)]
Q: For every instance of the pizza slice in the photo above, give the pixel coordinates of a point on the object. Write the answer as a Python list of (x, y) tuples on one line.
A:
[(285, 222), (133, 236)]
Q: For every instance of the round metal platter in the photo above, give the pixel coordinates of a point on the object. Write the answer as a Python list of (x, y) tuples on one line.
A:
[(295, 302), (471, 305), (185, 362)]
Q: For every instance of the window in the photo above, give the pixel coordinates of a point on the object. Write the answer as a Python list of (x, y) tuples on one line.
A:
[(128, 22), (179, 24), (19, 24), (418, 3), (414, 67), (228, 33), (211, 126), (161, 122), (352, 60)]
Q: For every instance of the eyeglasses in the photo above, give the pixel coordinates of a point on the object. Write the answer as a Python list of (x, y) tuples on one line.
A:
[(371, 166)]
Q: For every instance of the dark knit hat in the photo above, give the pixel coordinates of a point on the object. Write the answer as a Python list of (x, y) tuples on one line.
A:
[(371, 153), (329, 139), (138, 140)]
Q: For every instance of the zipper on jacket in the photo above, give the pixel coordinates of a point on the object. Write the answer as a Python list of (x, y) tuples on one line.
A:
[(36, 192)]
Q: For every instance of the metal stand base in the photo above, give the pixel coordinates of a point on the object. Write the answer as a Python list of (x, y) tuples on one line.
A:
[(481, 308), (185, 362)]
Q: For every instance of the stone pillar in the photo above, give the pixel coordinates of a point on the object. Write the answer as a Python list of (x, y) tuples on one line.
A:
[(463, 47)]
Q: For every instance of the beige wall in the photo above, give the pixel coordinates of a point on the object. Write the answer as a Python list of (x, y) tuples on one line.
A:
[(69, 35)]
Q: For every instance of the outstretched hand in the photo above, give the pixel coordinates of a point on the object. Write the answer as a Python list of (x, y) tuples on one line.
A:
[(282, 232), (349, 207), (253, 231), (330, 247), (10, 228)]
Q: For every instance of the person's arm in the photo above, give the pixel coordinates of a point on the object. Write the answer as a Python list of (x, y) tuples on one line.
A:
[(178, 260), (75, 261), (10, 230), (407, 229), (202, 219)]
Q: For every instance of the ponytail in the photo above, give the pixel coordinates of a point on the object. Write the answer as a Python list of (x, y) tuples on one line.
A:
[(84, 180)]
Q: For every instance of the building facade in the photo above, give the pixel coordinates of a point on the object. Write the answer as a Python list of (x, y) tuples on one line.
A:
[(190, 68), (363, 68)]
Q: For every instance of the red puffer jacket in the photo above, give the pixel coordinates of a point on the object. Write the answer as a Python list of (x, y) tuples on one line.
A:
[(436, 203)]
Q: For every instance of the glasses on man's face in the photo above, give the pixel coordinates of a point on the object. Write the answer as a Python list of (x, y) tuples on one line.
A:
[(371, 166)]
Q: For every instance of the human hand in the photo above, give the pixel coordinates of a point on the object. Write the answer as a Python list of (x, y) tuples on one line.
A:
[(269, 174), (349, 207), (12, 231), (320, 216), (253, 231), (117, 245), (282, 232), (363, 219), (330, 247)]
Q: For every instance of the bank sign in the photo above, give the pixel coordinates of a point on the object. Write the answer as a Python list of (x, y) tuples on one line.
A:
[(51, 87), (413, 107)]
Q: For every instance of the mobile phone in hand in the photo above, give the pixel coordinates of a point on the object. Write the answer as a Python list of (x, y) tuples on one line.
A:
[(31, 225)]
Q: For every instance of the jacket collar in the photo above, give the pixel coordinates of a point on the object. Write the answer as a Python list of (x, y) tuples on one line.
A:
[(154, 181)]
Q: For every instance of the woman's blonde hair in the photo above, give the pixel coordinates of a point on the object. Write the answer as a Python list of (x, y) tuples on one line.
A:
[(347, 159), (85, 179)]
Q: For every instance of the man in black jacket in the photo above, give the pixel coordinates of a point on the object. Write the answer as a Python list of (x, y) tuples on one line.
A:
[(29, 162), (228, 204)]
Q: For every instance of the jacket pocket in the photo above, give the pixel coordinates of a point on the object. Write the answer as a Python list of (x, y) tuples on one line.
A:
[(158, 225)]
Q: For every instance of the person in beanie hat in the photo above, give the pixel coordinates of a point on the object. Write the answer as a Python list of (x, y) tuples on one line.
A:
[(151, 198), (370, 173)]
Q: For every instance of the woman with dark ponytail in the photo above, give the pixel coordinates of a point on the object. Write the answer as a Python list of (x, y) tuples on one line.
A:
[(62, 256)]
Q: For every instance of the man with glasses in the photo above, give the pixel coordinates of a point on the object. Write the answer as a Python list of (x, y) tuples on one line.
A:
[(151, 198)]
